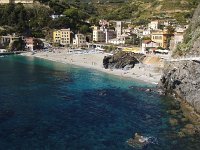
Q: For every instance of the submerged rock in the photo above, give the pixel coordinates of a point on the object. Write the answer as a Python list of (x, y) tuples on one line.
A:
[(189, 129), (138, 141), (173, 122)]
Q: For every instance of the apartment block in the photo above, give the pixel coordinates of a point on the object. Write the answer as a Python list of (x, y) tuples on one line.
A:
[(98, 35), (79, 40), (62, 36)]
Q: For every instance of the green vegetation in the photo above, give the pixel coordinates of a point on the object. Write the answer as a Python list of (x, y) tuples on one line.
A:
[(17, 45), (20, 19), (35, 19), (191, 38)]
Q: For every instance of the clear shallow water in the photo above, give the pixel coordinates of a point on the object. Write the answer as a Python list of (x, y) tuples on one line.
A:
[(46, 106)]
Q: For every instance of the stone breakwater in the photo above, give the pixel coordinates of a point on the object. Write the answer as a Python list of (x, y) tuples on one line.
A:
[(183, 80)]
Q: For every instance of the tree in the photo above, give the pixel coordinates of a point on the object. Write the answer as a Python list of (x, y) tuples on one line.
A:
[(84, 29), (18, 45)]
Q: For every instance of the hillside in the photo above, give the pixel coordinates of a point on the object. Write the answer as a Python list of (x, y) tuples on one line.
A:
[(191, 45), (138, 10), (141, 10), (36, 18)]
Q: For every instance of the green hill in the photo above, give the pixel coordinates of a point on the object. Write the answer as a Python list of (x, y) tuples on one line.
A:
[(140, 10)]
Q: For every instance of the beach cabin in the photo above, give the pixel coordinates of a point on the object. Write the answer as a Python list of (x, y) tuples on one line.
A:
[(3, 50)]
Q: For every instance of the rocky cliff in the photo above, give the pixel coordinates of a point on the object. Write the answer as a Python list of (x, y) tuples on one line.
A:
[(183, 79)]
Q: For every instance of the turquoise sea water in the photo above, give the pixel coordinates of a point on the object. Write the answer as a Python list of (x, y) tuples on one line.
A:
[(50, 106)]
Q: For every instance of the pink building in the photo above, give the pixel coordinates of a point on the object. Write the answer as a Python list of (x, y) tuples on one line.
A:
[(33, 43)]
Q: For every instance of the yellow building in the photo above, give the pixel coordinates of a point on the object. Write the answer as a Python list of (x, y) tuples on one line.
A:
[(160, 37), (132, 49), (62, 36)]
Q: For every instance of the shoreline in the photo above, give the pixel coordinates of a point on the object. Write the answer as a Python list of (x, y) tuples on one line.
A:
[(144, 73)]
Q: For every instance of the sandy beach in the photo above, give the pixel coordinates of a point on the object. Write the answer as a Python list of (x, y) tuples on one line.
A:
[(146, 73)]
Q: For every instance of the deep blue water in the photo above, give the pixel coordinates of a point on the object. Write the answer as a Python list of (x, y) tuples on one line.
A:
[(50, 106)]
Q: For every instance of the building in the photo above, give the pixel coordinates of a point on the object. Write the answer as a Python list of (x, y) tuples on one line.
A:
[(160, 37), (121, 40), (177, 39), (146, 32), (118, 28), (79, 40), (118, 41), (62, 37), (109, 34), (147, 45), (104, 23), (56, 16), (154, 25), (8, 39), (16, 1), (33, 43), (98, 35)]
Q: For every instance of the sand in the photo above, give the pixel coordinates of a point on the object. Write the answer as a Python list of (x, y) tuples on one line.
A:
[(145, 73)]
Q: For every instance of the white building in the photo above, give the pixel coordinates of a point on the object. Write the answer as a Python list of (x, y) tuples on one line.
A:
[(154, 25), (118, 28), (79, 40), (117, 41), (148, 44), (121, 40), (98, 35), (146, 32)]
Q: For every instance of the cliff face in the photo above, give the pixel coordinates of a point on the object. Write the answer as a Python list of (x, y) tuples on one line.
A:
[(183, 78)]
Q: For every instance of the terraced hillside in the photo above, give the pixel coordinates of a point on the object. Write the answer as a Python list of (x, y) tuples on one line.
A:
[(141, 10)]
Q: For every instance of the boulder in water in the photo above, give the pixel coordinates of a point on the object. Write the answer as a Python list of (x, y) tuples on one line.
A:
[(137, 141)]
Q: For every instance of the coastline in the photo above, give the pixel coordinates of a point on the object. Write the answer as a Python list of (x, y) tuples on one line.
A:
[(144, 73)]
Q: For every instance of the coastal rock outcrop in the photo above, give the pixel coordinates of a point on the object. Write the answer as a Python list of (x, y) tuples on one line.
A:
[(183, 79), (121, 60)]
